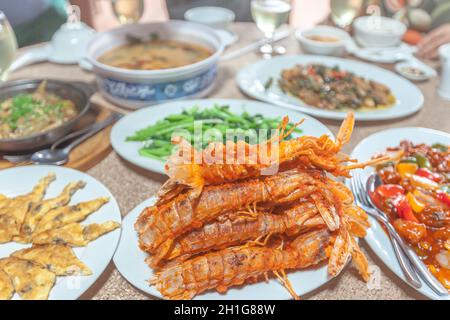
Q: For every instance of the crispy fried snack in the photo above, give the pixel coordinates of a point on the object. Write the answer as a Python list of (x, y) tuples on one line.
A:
[(53, 228), (60, 217), (31, 281), (6, 286), (13, 214), (40, 209), (34, 196), (75, 234), (59, 259)]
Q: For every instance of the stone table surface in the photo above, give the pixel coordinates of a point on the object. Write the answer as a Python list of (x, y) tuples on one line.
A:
[(131, 185)]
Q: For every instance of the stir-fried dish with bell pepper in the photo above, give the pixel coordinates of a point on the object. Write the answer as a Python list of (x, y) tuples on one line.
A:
[(335, 89), (416, 196)]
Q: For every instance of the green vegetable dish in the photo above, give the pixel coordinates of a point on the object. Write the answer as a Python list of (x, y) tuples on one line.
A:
[(26, 114), (202, 126)]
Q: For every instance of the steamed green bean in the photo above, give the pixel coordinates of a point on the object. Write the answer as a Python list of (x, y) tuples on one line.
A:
[(156, 138)]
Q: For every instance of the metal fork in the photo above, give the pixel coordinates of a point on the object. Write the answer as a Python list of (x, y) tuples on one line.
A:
[(360, 192)]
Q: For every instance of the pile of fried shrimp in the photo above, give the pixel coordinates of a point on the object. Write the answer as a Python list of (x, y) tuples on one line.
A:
[(219, 225)]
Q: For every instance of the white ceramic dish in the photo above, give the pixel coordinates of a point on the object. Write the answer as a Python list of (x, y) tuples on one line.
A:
[(215, 17), (129, 260), (403, 69), (252, 79), (129, 124), (311, 46), (378, 32), (97, 254), (382, 55), (376, 237), (137, 88)]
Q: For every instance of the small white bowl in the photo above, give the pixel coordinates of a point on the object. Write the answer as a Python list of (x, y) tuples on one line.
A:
[(215, 17), (312, 46), (378, 32)]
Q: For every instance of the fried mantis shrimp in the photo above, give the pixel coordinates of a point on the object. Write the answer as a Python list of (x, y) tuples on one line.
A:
[(218, 225), (220, 163), (159, 225), (247, 226), (233, 266)]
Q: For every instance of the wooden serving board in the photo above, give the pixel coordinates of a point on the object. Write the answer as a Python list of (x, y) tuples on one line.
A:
[(90, 152)]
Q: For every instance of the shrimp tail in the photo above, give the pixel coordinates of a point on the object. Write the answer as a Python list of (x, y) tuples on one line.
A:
[(345, 130), (182, 169)]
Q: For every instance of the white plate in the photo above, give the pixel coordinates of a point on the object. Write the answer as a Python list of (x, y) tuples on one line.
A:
[(381, 55), (98, 253), (129, 260), (378, 142), (142, 118), (253, 78)]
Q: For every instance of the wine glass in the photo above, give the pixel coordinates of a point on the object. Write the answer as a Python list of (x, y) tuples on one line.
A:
[(269, 15), (343, 12), (128, 11), (8, 46)]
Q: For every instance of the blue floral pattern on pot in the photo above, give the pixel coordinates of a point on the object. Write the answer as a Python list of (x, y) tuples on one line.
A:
[(159, 91)]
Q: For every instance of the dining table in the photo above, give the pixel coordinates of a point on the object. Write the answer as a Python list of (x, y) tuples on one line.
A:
[(131, 185)]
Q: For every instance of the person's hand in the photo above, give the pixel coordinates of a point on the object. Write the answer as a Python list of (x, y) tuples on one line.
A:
[(428, 47)]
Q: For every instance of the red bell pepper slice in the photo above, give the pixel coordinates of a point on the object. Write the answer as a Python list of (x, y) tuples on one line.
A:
[(311, 71), (427, 173), (338, 74), (404, 209), (390, 190), (443, 197)]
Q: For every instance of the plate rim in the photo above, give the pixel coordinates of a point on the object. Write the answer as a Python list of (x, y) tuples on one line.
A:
[(327, 114), (113, 243)]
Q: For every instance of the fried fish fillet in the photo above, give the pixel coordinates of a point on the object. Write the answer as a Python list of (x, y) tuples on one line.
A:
[(59, 217), (40, 209), (59, 259), (13, 214), (75, 234), (4, 201), (6, 286), (34, 196), (30, 281)]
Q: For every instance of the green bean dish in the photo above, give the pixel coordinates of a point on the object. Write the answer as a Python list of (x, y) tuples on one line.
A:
[(196, 125)]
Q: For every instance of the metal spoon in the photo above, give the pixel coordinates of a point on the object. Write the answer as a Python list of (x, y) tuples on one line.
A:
[(372, 183), (54, 156), (398, 245)]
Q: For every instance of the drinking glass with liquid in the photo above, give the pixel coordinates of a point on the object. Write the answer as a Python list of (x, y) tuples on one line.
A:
[(8, 46), (128, 11), (269, 15), (343, 12)]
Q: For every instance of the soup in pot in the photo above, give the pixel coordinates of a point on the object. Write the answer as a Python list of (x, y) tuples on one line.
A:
[(155, 55), (321, 38)]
